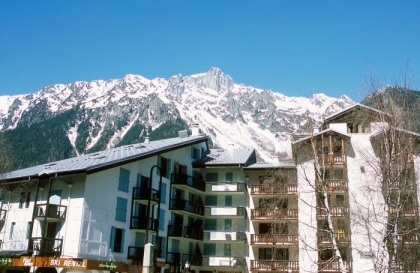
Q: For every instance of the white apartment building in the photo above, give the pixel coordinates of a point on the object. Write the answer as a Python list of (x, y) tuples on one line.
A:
[(219, 210)]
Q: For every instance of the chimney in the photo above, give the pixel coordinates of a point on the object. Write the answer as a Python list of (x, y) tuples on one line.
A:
[(195, 129), (147, 139)]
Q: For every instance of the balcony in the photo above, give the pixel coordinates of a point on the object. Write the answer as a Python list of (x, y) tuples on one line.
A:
[(274, 189), (225, 211), (324, 237), (144, 195), (50, 211), (274, 266), (220, 261), (44, 246), (333, 185), (408, 239), (274, 214), (142, 222), (332, 266), (136, 254), (183, 181), (185, 232), (224, 236), (274, 239), (231, 188), (176, 258), (332, 159), (334, 211), (187, 206)]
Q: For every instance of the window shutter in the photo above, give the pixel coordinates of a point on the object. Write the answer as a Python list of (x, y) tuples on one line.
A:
[(162, 219), (168, 169), (198, 154), (127, 180), (138, 180), (122, 241), (124, 210), (159, 163), (112, 238), (163, 194)]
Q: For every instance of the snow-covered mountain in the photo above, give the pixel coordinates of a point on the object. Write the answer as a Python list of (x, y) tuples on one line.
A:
[(106, 111)]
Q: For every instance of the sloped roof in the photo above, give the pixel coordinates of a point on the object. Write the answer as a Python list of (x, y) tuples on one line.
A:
[(270, 165), (326, 131), (93, 162), (227, 157), (346, 110), (397, 129)]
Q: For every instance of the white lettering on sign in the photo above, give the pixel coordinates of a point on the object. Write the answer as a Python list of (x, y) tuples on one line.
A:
[(55, 262), (70, 263), (27, 262)]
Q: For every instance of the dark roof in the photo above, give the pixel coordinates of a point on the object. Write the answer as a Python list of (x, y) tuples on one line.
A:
[(346, 110), (94, 162), (227, 157), (270, 165)]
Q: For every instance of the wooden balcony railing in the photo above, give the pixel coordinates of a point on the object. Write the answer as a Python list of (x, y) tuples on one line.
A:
[(273, 239), (334, 185), (332, 159), (277, 189), (50, 211), (274, 214), (185, 205), (334, 211), (187, 180), (230, 187), (274, 266), (332, 266), (324, 237)]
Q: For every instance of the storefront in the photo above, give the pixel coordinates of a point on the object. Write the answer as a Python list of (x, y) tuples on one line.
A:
[(36, 264)]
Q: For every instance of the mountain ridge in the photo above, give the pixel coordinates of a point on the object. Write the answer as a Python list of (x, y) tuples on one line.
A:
[(100, 114)]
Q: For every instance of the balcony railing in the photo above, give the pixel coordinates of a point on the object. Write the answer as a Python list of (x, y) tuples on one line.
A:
[(225, 211), (231, 187), (136, 253), (146, 194), (50, 211), (332, 266), (185, 231), (277, 189), (142, 222), (324, 237), (408, 239), (185, 205), (274, 266), (187, 180), (334, 211), (274, 214), (45, 246), (220, 261), (224, 236), (334, 185), (176, 258), (273, 239), (332, 159)]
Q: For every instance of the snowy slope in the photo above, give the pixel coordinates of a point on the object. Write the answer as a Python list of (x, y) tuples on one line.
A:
[(228, 112)]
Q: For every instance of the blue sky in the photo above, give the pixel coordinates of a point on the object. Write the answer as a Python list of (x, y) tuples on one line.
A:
[(297, 48)]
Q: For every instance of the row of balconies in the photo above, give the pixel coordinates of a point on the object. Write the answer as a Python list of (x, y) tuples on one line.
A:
[(176, 258)]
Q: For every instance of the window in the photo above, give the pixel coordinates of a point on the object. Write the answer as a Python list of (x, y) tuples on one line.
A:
[(25, 198), (209, 249), (211, 200), (228, 224), (229, 177), (227, 250), (12, 229), (121, 209), (124, 180), (210, 224), (117, 239), (212, 177), (228, 201), (28, 230), (195, 153), (164, 165)]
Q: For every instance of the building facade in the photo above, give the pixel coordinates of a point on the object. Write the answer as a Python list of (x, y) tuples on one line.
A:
[(347, 201)]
